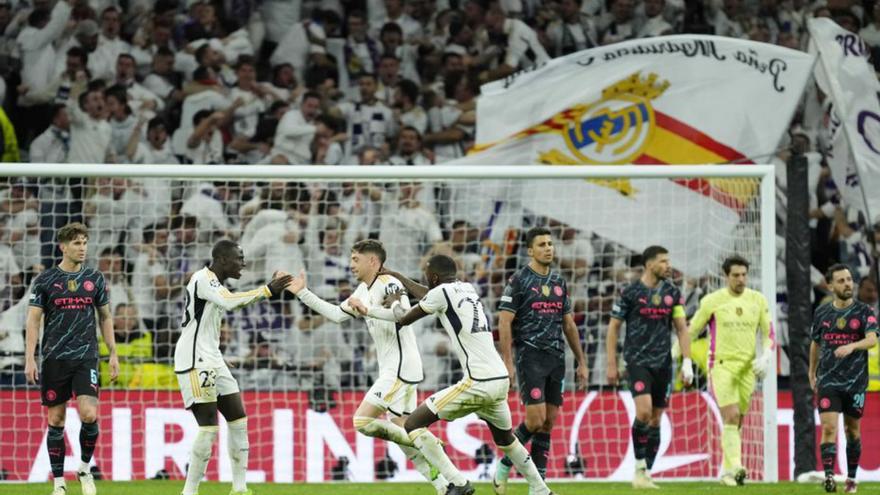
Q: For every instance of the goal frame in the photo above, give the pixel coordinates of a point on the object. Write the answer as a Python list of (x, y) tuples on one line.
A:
[(767, 205)]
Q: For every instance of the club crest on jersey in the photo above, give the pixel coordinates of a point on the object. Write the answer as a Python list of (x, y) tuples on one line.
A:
[(89, 285), (557, 289), (545, 290), (655, 299), (667, 300), (72, 285), (739, 311), (841, 323), (855, 324)]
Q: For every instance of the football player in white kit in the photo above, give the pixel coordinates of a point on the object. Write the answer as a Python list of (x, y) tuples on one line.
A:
[(483, 389), (205, 381), (400, 365)]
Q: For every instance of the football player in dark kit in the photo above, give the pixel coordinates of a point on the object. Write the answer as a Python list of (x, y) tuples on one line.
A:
[(64, 300), (651, 307), (843, 330), (535, 313)]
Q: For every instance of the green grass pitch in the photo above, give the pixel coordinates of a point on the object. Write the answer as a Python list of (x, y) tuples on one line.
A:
[(174, 488)]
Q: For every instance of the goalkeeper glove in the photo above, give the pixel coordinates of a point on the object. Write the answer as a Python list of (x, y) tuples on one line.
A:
[(687, 371), (761, 364)]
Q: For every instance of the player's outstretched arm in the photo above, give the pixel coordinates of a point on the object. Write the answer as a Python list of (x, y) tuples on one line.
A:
[(106, 319), (32, 333), (215, 292), (417, 290), (332, 312)]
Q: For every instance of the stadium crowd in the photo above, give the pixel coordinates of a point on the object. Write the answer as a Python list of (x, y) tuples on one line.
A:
[(333, 82)]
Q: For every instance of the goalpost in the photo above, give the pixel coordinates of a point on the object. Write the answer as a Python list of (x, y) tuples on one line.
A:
[(301, 377)]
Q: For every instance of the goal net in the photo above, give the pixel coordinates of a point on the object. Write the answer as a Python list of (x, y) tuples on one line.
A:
[(301, 376)]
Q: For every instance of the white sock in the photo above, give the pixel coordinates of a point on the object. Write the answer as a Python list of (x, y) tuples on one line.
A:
[(59, 482), (430, 447), (238, 453), (381, 428), (84, 467), (525, 466), (424, 467), (199, 457)]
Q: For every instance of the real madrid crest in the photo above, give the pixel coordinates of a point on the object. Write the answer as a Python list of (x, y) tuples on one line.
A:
[(616, 128), (72, 285)]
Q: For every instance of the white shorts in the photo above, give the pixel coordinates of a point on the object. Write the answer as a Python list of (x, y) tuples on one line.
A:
[(203, 385), (487, 399), (394, 395)]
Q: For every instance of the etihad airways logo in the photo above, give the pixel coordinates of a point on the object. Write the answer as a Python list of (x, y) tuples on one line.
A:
[(73, 302)]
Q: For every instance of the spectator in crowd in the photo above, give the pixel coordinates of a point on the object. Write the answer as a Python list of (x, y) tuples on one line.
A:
[(296, 131), (573, 31), (408, 229), (655, 23), (323, 82), (12, 349), (133, 345), (151, 276), (90, 132), (36, 43), (53, 145), (369, 121)]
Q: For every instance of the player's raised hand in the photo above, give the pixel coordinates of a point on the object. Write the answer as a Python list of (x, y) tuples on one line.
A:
[(279, 283), (30, 370), (114, 367), (582, 377), (813, 382), (298, 283), (390, 298), (357, 305)]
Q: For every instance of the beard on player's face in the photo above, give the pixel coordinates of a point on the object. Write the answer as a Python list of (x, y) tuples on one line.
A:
[(844, 293)]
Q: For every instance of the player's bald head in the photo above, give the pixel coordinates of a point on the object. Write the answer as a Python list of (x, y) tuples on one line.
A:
[(225, 249)]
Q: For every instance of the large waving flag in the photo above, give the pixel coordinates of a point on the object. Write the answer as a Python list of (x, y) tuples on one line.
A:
[(853, 121), (669, 100)]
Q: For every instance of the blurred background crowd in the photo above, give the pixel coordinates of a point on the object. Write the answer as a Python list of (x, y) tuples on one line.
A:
[(304, 82)]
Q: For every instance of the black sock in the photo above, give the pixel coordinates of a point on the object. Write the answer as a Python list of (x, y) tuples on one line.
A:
[(523, 435), (88, 437), (640, 439), (829, 456), (540, 451), (853, 452), (56, 447), (653, 445)]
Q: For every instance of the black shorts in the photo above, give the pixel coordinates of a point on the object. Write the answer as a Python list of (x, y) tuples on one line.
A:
[(61, 378), (849, 403), (654, 381), (540, 376)]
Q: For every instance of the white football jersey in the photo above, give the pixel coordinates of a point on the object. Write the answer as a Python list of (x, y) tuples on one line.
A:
[(460, 311), (207, 300), (396, 350)]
